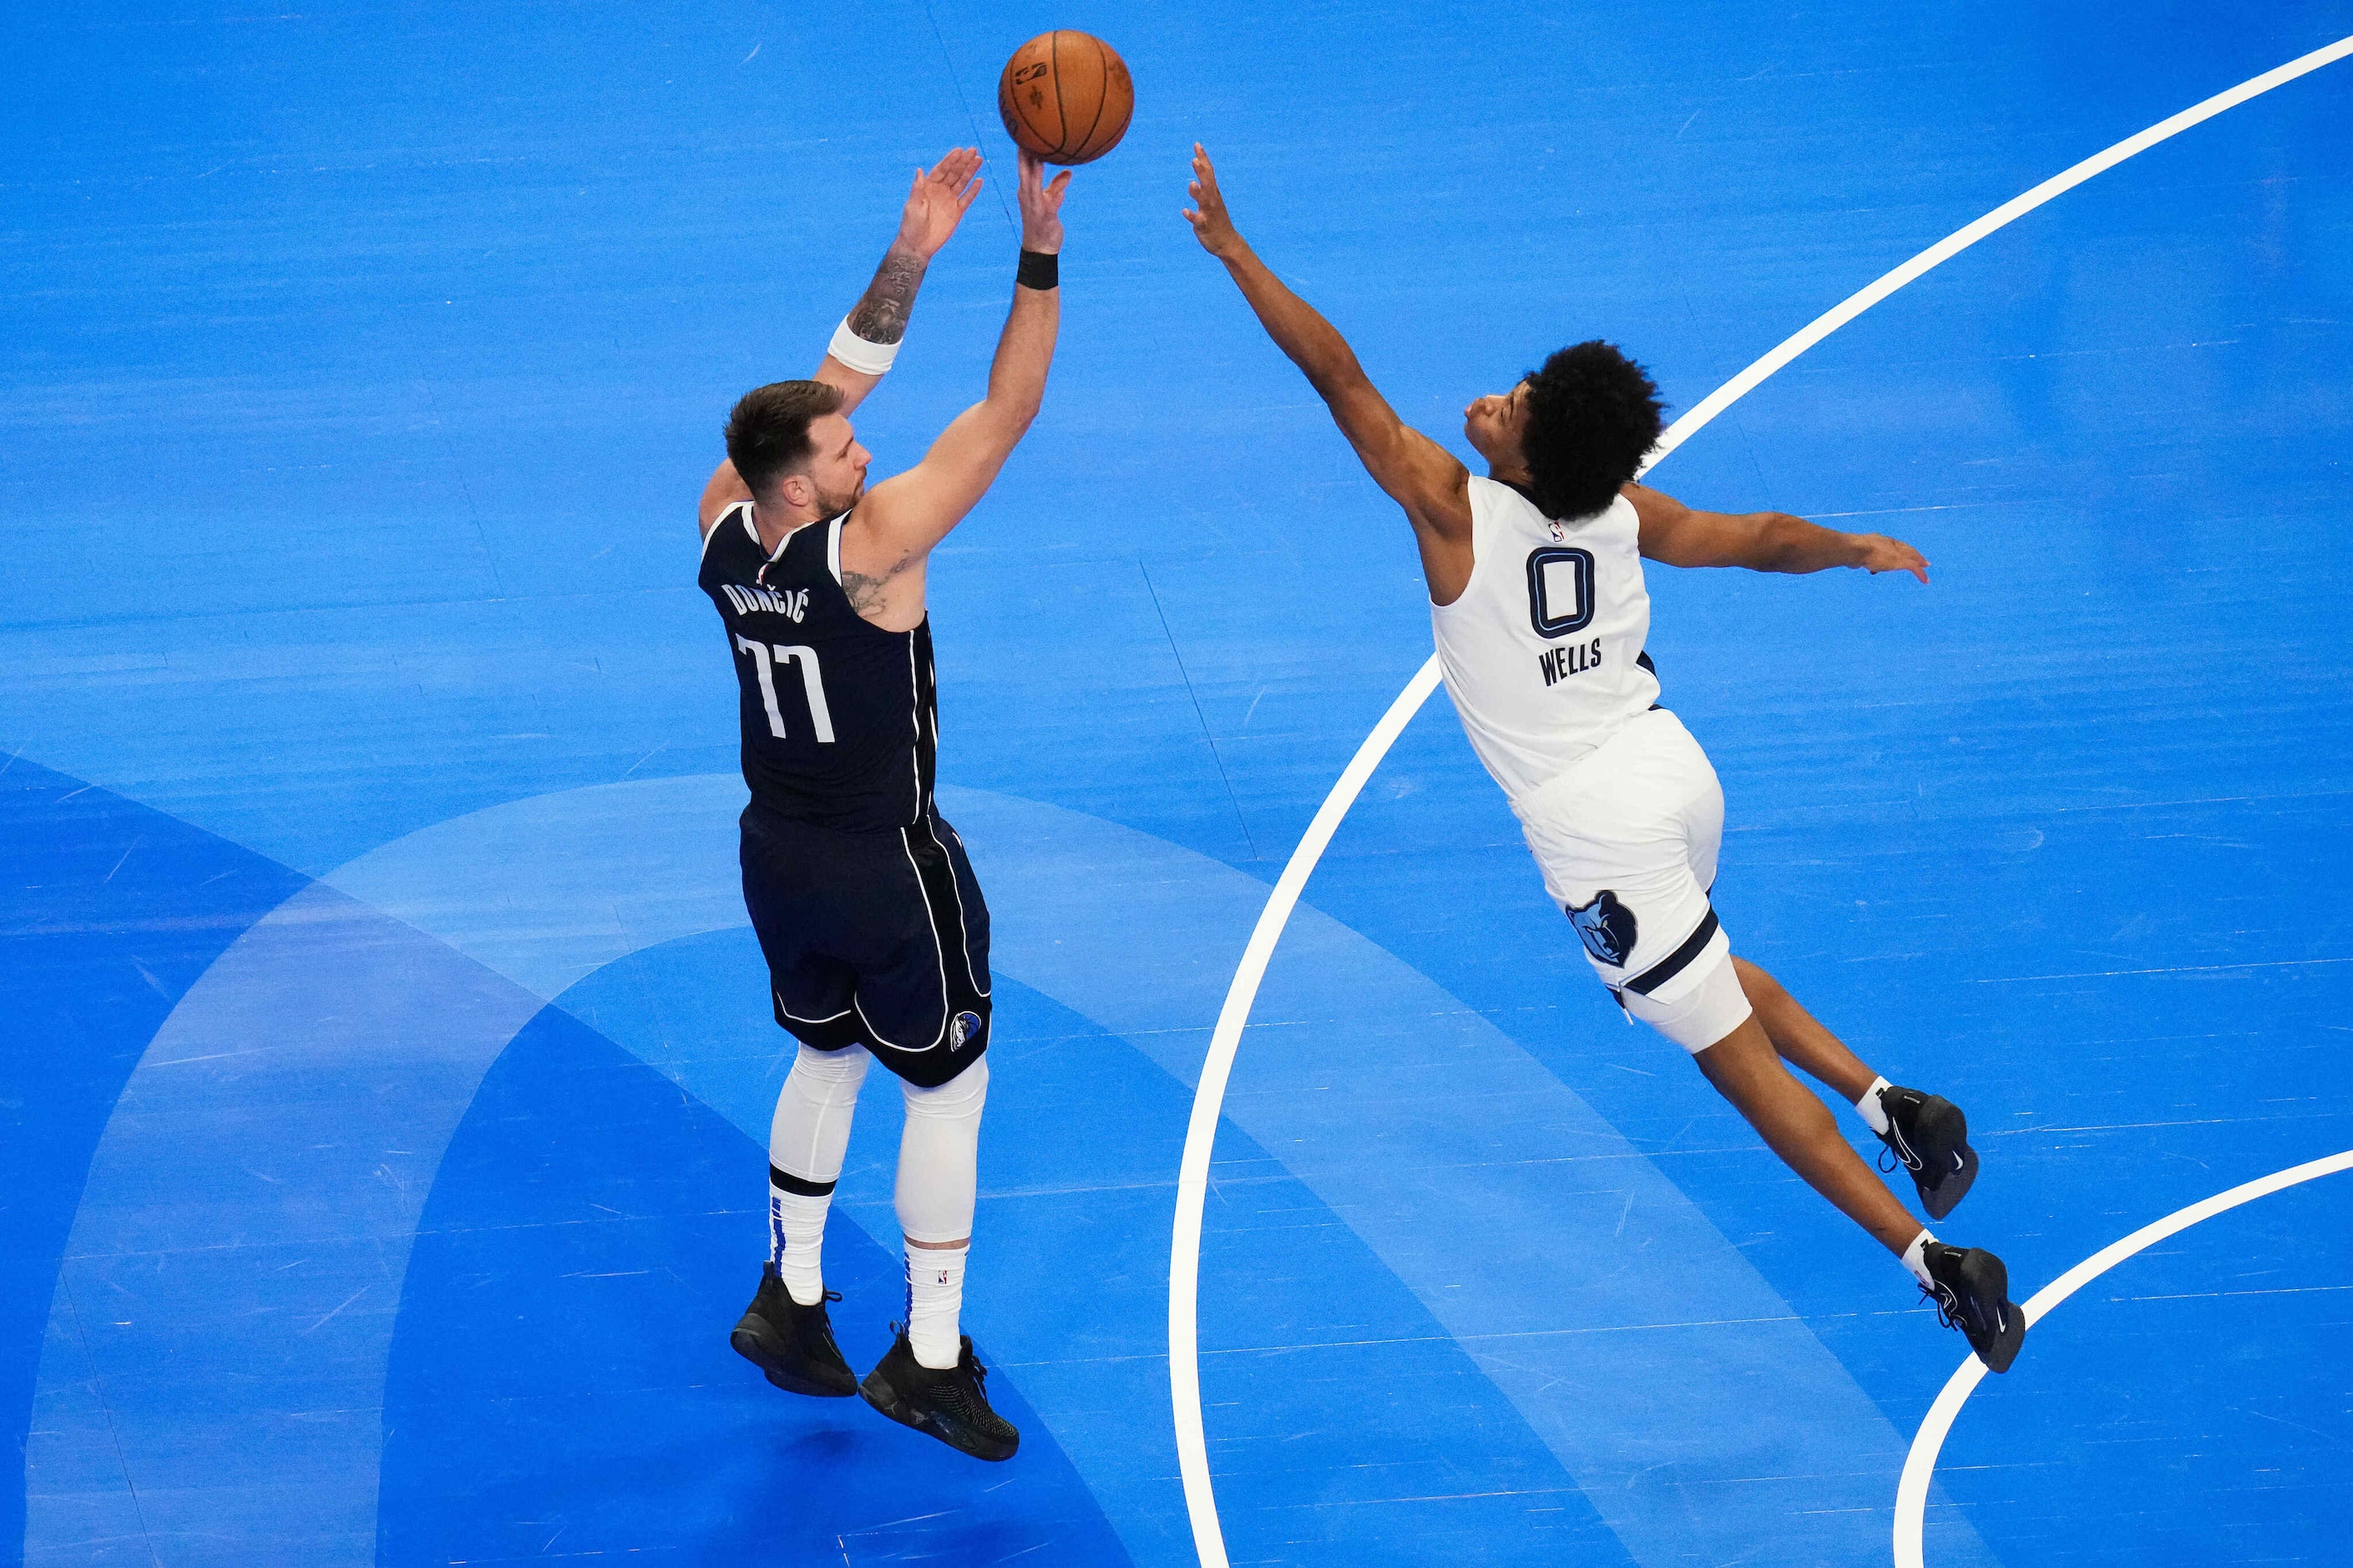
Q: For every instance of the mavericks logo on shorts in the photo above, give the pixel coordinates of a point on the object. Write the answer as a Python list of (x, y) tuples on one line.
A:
[(1606, 927), (965, 1026)]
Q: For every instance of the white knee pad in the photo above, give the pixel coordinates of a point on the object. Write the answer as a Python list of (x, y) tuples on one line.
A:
[(939, 1156), (811, 1129), (1699, 1015)]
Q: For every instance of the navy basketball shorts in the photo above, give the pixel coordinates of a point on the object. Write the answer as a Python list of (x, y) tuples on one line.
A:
[(1626, 840), (878, 940)]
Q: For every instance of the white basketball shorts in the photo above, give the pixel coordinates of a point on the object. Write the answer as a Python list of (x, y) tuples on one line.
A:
[(1626, 840)]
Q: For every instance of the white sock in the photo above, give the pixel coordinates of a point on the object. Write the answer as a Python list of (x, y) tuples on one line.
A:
[(935, 1297), (796, 1238), (1915, 1257), (1873, 1114)]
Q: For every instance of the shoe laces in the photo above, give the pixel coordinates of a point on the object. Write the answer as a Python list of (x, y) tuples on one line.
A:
[(1948, 1304), (1901, 1148), (818, 1329)]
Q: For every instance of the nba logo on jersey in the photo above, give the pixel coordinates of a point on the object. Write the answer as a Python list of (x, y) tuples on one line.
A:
[(1560, 534), (966, 1025), (1604, 926)]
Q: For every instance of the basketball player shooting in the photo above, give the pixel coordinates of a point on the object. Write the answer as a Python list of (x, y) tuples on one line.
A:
[(873, 928), (1540, 614)]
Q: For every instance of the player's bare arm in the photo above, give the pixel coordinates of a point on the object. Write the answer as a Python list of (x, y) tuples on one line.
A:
[(935, 205), (891, 535), (1420, 474), (1679, 535)]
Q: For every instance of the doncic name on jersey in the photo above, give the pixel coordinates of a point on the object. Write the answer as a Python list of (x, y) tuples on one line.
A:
[(751, 600)]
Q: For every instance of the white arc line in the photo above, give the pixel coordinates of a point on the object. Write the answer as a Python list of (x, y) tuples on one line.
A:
[(1208, 1097), (1920, 1465), (1208, 1094)]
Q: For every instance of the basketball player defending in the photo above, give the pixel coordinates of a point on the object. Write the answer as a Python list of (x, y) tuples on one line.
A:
[(1537, 597), (874, 931)]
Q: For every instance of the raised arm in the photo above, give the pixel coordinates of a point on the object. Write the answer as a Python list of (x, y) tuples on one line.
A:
[(888, 538), (867, 339), (1761, 541), (1417, 473), (940, 197)]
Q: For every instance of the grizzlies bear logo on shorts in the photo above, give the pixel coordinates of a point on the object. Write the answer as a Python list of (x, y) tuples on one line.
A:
[(1606, 927)]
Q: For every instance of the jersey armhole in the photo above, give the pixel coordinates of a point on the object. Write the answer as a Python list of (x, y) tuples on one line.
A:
[(833, 546), (737, 511), (1481, 533), (712, 532)]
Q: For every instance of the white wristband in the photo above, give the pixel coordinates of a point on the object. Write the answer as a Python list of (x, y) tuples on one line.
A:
[(865, 358)]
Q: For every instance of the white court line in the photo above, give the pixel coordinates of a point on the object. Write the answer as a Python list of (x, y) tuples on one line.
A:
[(1919, 1466), (1208, 1094), (1209, 1099)]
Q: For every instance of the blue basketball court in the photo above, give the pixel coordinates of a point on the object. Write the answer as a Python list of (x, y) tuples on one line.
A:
[(387, 1061)]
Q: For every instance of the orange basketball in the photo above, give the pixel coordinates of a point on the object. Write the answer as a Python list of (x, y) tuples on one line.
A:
[(1066, 96)]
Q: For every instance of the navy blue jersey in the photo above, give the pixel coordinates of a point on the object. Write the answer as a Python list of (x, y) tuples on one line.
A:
[(840, 717)]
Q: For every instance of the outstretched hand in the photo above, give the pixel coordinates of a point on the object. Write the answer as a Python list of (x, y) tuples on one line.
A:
[(1211, 227), (943, 193), (1042, 206), (1881, 553)]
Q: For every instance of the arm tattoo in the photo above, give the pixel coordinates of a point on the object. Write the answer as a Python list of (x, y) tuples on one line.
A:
[(863, 592), (882, 311)]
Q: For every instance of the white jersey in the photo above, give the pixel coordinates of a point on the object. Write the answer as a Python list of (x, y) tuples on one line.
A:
[(1543, 651)]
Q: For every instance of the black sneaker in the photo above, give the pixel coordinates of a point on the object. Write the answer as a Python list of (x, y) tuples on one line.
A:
[(948, 1404), (1972, 1294), (1930, 1136), (793, 1343)]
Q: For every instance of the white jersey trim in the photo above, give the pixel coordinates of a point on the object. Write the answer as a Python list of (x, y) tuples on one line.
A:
[(721, 521)]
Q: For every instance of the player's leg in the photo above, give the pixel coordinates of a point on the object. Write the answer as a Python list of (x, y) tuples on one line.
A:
[(808, 1140), (1628, 843), (930, 1380), (1969, 1285), (1748, 1070), (1925, 1133), (938, 1176), (1800, 1040), (929, 1010), (786, 1331)]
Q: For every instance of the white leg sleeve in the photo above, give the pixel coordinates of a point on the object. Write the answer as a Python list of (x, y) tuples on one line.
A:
[(939, 1156), (811, 1129), (805, 1144)]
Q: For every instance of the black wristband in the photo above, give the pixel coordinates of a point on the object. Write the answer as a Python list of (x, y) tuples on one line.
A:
[(1039, 271)]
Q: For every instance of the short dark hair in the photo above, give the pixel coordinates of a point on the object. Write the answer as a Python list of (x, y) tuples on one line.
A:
[(1593, 415), (768, 429)]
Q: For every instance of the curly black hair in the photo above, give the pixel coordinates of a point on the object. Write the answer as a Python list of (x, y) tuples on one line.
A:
[(1593, 415)]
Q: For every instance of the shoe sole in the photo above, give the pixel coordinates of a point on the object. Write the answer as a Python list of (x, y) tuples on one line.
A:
[(1995, 1284), (1945, 1131), (750, 1344), (879, 1393), (1946, 1195), (2004, 1349)]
